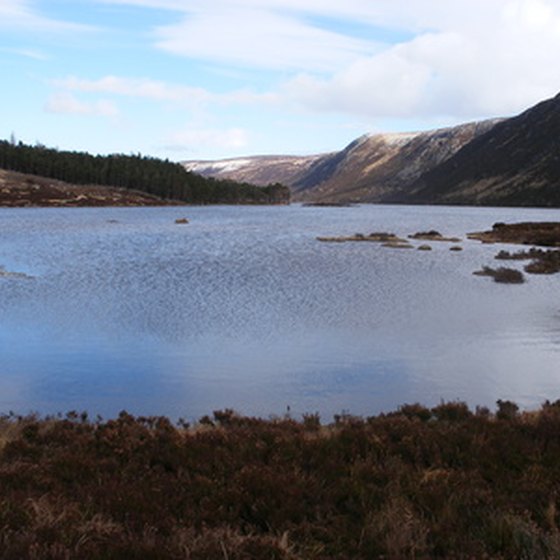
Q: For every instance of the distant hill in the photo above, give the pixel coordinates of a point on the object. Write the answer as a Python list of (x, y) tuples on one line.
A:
[(259, 170), (157, 178), (513, 162)]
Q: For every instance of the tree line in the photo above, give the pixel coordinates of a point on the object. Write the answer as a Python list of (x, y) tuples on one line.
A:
[(157, 177)]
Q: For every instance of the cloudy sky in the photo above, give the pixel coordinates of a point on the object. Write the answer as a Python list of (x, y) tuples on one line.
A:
[(203, 79)]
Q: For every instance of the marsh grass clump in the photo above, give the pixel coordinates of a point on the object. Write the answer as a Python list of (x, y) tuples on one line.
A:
[(432, 235), (502, 275), (542, 261), (505, 275), (546, 262), (440, 482)]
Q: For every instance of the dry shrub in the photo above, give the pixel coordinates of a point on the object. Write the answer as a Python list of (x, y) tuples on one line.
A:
[(417, 483)]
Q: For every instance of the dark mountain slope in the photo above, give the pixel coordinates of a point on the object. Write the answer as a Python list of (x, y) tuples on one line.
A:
[(515, 163)]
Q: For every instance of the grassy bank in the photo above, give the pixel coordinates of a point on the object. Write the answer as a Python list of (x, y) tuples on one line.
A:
[(445, 482)]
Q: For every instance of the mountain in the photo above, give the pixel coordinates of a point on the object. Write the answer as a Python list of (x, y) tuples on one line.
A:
[(515, 163), (500, 162), (375, 167), (370, 169), (258, 170)]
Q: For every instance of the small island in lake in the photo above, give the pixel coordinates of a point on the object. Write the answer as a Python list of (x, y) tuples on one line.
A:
[(328, 204), (544, 234), (377, 237), (433, 235)]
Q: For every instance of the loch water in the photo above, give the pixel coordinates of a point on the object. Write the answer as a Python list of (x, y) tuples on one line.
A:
[(122, 308)]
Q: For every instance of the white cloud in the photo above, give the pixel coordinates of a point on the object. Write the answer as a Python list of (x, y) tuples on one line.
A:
[(22, 14), (65, 103), (156, 90), (132, 87), (500, 63), (28, 53), (195, 139), (270, 34), (465, 58), (251, 36)]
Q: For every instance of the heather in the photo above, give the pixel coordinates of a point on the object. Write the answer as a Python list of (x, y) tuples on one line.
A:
[(445, 482)]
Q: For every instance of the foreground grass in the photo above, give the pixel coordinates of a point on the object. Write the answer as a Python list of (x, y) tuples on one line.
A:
[(445, 482)]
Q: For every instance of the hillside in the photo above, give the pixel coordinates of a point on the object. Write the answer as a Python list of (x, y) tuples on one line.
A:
[(22, 189), (374, 167), (516, 163), (154, 177)]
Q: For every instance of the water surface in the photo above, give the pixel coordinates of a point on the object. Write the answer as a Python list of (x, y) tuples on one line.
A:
[(243, 308)]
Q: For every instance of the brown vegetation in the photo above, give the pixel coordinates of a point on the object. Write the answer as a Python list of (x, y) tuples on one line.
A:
[(328, 204), (398, 245), (543, 262), (444, 482), (20, 189), (376, 236), (433, 235), (544, 234), (502, 275)]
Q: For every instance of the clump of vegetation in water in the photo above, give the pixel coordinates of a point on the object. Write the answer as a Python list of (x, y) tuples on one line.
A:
[(441, 482), (502, 275), (543, 261), (433, 235), (545, 234)]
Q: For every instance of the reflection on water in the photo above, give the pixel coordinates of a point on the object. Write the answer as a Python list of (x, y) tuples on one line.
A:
[(243, 308)]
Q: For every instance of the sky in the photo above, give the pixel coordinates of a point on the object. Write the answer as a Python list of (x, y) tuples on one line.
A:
[(209, 79)]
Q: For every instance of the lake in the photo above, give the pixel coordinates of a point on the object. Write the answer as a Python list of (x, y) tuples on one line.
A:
[(243, 308)]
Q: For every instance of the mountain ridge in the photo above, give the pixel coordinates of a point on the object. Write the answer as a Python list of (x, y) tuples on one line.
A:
[(512, 161), (368, 169)]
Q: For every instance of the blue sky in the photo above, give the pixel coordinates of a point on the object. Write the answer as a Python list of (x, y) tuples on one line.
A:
[(205, 79)]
